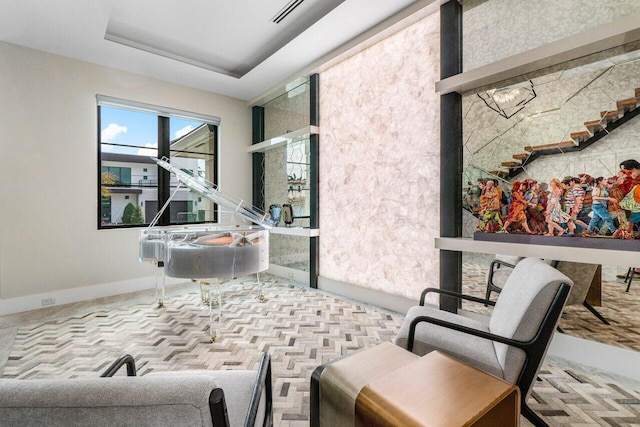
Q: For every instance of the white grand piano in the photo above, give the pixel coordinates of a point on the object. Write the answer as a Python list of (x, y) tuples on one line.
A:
[(207, 254)]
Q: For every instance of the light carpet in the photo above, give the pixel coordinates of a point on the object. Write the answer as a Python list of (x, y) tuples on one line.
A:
[(300, 327)]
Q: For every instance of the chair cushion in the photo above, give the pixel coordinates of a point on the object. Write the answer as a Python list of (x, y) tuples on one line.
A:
[(520, 309), (237, 386), (475, 351)]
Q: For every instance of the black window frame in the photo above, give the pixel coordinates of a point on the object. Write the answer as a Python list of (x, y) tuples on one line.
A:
[(164, 176)]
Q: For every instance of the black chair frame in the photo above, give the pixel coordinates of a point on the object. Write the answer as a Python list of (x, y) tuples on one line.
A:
[(217, 404), (534, 349), (495, 265), (629, 277)]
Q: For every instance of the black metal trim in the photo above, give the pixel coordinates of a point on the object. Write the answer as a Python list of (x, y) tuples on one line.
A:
[(127, 360), (314, 175), (314, 95), (263, 382), (450, 151), (218, 408), (99, 180), (453, 294), (164, 176), (492, 268), (314, 406), (314, 261), (257, 159)]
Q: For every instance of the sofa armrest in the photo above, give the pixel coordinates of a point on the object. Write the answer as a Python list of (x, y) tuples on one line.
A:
[(139, 401)]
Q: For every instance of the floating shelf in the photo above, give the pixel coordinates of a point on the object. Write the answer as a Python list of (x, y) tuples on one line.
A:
[(296, 231), (623, 258), (287, 138)]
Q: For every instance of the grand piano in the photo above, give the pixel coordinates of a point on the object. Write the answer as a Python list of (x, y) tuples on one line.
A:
[(207, 254)]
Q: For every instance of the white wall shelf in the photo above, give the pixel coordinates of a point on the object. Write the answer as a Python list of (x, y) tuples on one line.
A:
[(296, 231), (561, 253), (287, 138)]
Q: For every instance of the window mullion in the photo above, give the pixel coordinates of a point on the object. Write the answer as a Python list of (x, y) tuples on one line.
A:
[(164, 176)]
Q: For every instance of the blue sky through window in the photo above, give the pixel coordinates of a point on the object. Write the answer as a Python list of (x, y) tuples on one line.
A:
[(136, 129)]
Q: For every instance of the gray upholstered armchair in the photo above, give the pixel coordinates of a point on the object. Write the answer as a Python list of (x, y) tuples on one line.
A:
[(177, 398), (513, 344)]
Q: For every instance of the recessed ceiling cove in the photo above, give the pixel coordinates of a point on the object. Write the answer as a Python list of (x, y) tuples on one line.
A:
[(227, 37)]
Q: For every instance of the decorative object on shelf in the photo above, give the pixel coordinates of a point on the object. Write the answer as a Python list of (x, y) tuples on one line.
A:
[(287, 214), (275, 211), (576, 206), (490, 203)]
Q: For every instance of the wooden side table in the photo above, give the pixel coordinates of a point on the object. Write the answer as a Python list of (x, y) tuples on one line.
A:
[(438, 390)]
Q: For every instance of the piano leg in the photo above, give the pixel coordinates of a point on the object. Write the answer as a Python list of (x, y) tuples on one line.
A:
[(215, 332), (260, 296), (160, 279)]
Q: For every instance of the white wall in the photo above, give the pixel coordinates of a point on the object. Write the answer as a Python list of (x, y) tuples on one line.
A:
[(49, 155)]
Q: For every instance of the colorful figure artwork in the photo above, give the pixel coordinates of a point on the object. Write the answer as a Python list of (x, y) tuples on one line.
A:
[(574, 206), (490, 205)]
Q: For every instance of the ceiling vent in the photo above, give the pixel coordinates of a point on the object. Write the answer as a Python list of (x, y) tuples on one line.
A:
[(286, 10)]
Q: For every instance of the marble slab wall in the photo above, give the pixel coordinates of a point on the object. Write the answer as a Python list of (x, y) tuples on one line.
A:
[(379, 164), (497, 29)]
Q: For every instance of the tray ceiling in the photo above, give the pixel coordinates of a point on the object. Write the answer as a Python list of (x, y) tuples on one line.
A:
[(231, 47)]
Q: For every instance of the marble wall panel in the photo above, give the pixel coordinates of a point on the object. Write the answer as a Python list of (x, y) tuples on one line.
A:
[(497, 29), (379, 164)]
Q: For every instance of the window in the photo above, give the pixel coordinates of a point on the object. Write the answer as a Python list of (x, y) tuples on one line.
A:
[(131, 136)]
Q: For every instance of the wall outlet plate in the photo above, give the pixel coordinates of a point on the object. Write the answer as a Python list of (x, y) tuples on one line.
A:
[(47, 301)]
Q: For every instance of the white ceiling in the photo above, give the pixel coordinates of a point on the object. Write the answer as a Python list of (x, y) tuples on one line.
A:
[(224, 46)]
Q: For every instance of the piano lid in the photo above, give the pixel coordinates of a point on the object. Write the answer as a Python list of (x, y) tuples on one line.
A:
[(208, 190)]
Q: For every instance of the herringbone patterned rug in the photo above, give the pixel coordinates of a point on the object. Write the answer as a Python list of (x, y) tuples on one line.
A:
[(300, 328)]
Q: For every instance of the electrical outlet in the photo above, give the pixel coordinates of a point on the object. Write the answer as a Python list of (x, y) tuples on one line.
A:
[(47, 301)]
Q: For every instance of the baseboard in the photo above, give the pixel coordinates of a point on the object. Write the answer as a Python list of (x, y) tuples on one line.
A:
[(85, 293), (390, 302), (616, 360), (289, 273)]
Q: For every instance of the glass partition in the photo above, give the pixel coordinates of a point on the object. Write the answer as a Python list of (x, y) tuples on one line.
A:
[(289, 111)]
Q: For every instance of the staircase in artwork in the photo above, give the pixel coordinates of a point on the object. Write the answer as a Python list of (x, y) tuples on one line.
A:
[(594, 130)]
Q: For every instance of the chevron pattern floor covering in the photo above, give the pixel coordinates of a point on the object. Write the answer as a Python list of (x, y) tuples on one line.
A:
[(300, 327)]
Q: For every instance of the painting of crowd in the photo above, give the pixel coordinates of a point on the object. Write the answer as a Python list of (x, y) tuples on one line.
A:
[(580, 205)]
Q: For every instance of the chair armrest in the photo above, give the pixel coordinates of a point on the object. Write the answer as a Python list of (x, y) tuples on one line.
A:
[(263, 383), (454, 294), (128, 360), (476, 332)]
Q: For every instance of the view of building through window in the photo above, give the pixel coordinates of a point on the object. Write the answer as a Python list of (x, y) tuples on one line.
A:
[(129, 193)]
